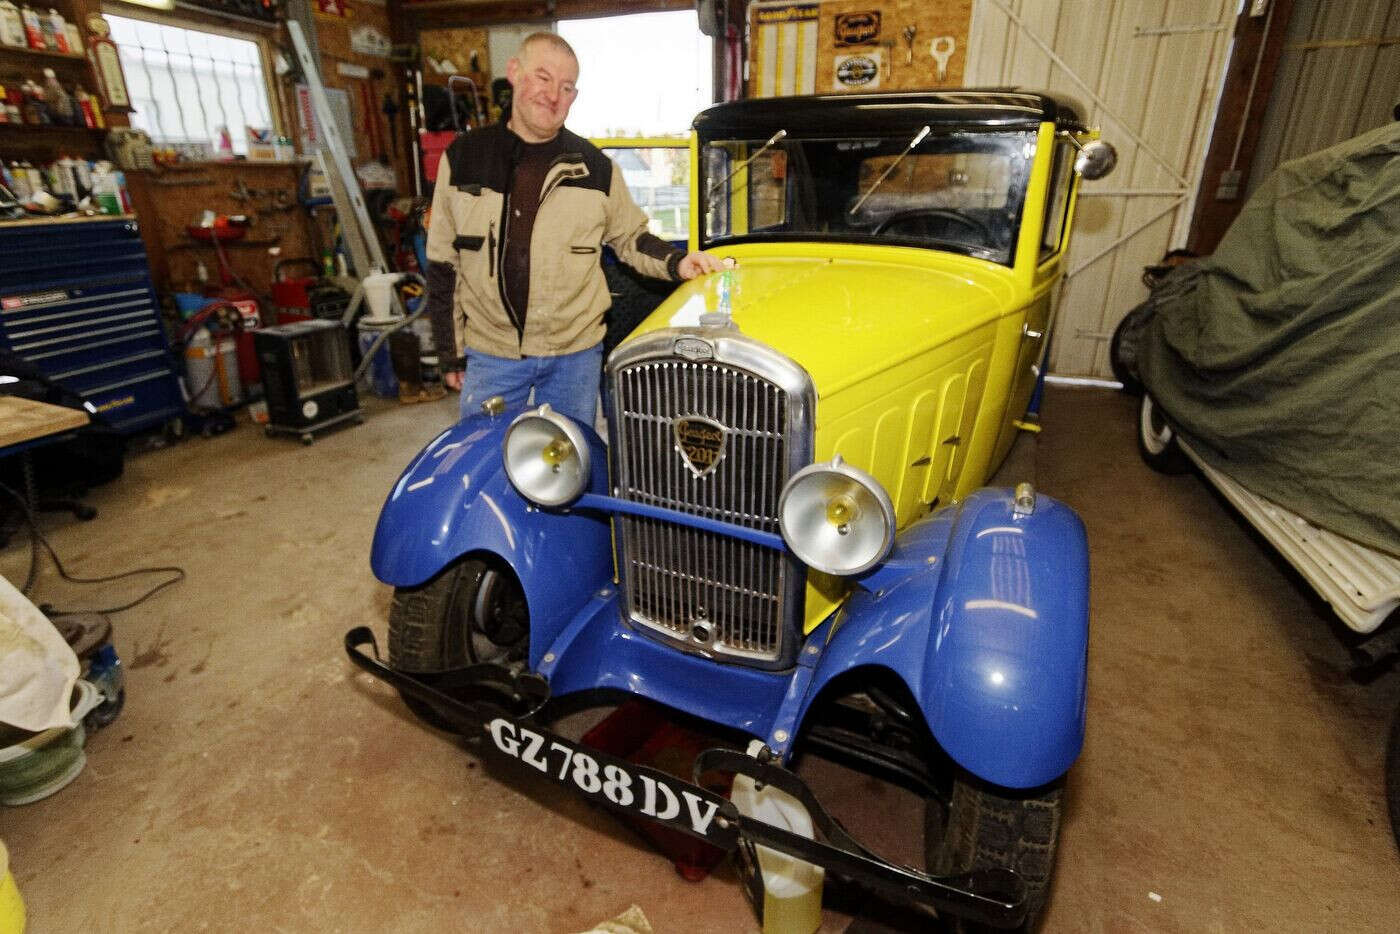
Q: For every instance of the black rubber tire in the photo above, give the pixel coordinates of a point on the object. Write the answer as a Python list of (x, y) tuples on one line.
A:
[(986, 827), (1123, 349), (1157, 441), (1392, 776), (472, 611)]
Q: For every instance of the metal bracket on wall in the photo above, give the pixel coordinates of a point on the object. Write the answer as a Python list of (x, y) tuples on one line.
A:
[(1142, 31)]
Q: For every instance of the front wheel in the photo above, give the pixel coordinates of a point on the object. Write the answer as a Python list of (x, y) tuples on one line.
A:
[(471, 612), (982, 827), (1157, 441)]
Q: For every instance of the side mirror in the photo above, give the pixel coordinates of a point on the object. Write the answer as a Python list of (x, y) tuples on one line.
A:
[(1095, 160)]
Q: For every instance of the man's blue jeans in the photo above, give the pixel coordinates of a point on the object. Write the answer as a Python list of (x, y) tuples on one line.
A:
[(569, 383)]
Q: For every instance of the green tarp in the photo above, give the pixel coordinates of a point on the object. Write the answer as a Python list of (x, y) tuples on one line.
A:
[(1278, 357)]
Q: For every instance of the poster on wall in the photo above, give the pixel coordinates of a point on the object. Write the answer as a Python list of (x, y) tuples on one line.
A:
[(784, 48), (311, 137), (860, 28), (859, 71)]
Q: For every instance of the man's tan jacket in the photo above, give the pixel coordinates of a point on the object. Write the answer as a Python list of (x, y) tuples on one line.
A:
[(583, 204)]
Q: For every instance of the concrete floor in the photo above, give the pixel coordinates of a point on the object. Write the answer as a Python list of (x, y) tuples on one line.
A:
[(1231, 778)]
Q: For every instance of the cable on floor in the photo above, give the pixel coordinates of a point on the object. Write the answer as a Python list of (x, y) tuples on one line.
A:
[(38, 539)]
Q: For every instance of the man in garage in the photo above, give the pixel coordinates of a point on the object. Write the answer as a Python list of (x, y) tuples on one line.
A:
[(520, 211)]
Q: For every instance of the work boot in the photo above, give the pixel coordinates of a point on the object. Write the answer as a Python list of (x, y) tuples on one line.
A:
[(403, 354)]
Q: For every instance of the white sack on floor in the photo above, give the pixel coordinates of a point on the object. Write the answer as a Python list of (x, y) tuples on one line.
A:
[(37, 668)]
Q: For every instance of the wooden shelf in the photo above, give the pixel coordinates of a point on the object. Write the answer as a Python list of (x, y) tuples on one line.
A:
[(12, 134), (42, 53)]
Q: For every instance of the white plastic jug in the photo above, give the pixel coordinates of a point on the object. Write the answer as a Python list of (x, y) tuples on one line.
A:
[(792, 889)]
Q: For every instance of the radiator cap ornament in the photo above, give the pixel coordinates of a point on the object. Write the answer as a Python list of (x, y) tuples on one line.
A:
[(701, 443)]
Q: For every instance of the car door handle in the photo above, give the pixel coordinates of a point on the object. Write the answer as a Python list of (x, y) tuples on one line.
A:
[(1030, 333)]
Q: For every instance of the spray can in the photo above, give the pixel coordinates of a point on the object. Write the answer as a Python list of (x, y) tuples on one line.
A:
[(33, 31), (60, 102), (56, 31)]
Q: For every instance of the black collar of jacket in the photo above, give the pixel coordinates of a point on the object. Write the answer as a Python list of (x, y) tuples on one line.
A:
[(486, 158)]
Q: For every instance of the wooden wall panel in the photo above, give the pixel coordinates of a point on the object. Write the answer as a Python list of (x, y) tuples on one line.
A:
[(1147, 75), (904, 67)]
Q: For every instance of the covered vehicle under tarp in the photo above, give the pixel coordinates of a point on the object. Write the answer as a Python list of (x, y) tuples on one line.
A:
[(1278, 357)]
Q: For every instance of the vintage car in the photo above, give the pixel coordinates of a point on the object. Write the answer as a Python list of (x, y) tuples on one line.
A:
[(785, 533)]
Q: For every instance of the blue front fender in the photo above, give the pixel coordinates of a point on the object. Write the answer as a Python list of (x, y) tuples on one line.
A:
[(455, 499), (984, 616)]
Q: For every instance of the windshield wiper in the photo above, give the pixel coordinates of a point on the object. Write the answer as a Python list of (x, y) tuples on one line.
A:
[(772, 141), (918, 138)]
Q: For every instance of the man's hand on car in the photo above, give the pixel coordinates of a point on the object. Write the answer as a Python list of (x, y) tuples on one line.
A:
[(698, 264)]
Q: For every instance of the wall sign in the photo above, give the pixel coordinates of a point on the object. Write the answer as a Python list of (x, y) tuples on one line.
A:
[(783, 51), (858, 72), (367, 40), (861, 28)]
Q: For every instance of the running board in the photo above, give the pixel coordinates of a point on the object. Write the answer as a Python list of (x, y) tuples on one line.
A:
[(1361, 584)]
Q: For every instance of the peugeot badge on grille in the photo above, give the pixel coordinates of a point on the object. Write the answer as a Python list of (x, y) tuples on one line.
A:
[(701, 443), (693, 348)]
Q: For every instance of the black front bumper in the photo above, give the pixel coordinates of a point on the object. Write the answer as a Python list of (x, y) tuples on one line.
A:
[(498, 709)]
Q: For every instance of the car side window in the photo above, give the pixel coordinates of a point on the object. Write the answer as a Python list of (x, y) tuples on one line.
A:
[(1057, 201), (716, 199), (658, 179), (768, 193)]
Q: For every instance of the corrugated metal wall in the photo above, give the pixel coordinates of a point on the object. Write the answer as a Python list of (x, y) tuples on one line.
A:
[(1148, 74), (1339, 76)]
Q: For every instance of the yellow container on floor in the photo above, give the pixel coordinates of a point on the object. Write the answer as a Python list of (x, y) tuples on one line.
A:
[(11, 905), (792, 889)]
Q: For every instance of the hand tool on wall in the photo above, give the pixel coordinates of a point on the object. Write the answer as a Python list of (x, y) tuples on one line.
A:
[(909, 32), (942, 49)]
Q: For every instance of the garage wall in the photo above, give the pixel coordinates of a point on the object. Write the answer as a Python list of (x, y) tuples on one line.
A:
[(1148, 74), (1339, 76)]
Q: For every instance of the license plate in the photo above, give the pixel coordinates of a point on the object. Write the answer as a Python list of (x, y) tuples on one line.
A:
[(616, 783)]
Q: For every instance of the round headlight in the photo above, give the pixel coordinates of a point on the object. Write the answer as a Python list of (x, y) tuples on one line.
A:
[(836, 518), (546, 457)]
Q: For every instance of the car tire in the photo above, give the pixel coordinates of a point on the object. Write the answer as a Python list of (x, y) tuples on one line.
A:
[(1123, 349), (1392, 776), (1157, 441), (473, 611), (985, 827)]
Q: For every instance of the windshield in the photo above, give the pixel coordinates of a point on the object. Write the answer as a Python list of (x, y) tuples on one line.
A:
[(953, 190)]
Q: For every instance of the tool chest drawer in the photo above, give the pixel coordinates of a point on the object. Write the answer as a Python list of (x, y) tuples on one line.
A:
[(76, 301)]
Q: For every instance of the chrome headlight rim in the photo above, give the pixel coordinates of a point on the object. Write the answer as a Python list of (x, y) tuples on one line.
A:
[(577, 441), (884, 506)]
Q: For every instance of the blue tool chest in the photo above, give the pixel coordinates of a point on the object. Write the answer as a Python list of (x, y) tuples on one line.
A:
[(76, 301)]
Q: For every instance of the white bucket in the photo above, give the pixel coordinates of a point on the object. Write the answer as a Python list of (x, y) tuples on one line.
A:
[(792, 889), (379, 290)]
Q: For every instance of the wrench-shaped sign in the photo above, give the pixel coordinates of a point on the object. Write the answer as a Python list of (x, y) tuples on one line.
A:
[(942, 49)]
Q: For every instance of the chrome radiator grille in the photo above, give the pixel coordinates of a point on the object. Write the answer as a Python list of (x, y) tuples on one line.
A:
[(728, 596)]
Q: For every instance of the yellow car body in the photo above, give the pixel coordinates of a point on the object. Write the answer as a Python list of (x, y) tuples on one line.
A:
[(923, 360)]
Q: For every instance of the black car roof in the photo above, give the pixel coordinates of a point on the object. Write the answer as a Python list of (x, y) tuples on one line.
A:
[(881, 113)]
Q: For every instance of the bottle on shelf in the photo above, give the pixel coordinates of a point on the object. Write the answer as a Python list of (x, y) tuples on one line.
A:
[(33, 31), (36, 111), (55, 31), (4, 110), (75, 38), (88, 110), (18, 181), (61, 109), (11, 25), (14, 103), (33, 178)]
